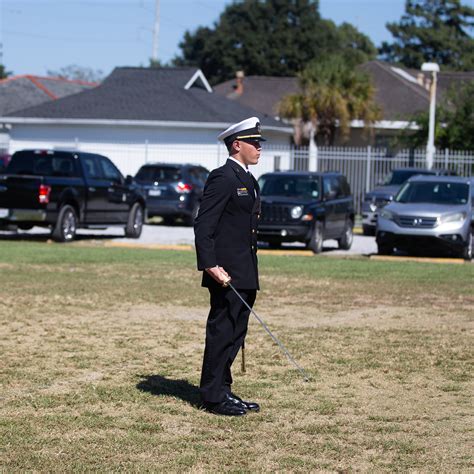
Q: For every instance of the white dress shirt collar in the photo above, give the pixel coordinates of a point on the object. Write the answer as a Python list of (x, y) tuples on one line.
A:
[(239, 163)]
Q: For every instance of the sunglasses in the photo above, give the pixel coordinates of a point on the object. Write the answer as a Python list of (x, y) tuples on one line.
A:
[(255, 143)]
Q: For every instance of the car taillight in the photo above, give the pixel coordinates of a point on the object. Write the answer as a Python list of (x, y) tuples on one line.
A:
[(183, 188), (44, 192)]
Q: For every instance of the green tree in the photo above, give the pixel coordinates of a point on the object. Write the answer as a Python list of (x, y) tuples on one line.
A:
[(433, 31), (454, 121), (354, 45), (158, 64), (78, 73), (155, 64), (3, 72), (457, 117), (269, 37), (333, 92)]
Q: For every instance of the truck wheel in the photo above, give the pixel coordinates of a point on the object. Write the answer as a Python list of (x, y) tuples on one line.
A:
[(466, 253), (65, 228), (134, 226), (345, 242), (316, 241)]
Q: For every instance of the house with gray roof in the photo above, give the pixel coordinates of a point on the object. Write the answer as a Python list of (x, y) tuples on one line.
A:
[(138, 115), (400, 93), (20, 92)]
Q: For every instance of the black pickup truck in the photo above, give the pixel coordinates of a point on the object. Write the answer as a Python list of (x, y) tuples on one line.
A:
[(306, 207), (65, 190)]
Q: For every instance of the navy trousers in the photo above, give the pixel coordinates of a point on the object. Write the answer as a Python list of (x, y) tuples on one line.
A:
[(225, 333)]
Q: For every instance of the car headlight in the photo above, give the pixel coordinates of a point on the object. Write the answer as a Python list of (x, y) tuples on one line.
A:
[(386, 214), (456, 217), (296, 212)]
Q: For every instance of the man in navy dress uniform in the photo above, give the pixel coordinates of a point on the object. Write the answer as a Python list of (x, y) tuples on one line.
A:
[(226, 246)]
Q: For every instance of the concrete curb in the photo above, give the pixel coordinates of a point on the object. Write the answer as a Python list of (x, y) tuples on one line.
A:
[(393, 258), (183, 247)]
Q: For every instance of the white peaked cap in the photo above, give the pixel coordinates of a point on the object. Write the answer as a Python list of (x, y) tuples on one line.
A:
[(247, 129)]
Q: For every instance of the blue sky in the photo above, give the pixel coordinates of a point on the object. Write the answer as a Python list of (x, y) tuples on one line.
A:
[(41, 35)]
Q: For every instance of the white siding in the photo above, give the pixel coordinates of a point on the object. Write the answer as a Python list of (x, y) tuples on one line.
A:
[(131, 147), (4, 141)]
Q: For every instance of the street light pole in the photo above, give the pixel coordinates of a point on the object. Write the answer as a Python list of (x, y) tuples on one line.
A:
[(430, 147)]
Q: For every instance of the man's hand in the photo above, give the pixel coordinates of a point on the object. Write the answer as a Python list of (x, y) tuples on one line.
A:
[(219, 274)]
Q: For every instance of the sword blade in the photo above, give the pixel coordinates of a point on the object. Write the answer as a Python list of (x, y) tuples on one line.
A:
[(280, 345)]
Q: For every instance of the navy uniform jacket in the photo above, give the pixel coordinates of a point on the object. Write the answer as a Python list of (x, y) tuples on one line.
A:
[(226, 226)]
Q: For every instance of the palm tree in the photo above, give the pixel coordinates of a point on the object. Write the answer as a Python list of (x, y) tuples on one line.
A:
[(333, 92)]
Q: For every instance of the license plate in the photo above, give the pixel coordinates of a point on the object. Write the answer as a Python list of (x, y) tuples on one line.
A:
[(4, 213), (154, 192)]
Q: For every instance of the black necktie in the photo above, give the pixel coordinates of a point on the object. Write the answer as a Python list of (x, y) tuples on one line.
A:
[(250, 184)]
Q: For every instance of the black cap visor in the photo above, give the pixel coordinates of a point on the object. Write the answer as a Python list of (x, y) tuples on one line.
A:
[(252, 140)]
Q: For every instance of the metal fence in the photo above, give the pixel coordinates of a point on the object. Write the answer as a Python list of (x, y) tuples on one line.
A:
[(363, 166)]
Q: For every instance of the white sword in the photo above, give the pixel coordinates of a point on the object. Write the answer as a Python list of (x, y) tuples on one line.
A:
[(260, 320)]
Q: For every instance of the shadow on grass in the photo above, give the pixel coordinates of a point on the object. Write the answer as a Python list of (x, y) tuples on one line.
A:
[(159, 385)]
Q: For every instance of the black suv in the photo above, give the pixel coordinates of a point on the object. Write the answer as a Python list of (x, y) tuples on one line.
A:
[(172, 190), (306, 207)]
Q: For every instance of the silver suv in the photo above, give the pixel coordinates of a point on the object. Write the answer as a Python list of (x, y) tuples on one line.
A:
[(382, 195), (429, 213)]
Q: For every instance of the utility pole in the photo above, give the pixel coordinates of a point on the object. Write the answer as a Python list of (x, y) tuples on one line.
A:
[(156, 32), (1, 32)]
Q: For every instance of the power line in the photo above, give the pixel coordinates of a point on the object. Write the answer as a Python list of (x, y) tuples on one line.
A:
[(63, 38), (1, 32), (64, 3), (78, 40)]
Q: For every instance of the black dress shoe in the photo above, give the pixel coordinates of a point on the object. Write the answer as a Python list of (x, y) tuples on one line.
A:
[(226, 408), (250, 406)]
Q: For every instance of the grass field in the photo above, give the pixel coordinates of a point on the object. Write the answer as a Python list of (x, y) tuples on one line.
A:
[(101, 354)]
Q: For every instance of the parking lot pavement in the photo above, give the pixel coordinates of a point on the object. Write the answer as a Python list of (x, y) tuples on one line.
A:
[(157, 234), (178, 235)]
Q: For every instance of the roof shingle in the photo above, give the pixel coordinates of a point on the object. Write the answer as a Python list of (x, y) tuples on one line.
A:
[(19, 92), (155, 94), (397, 90)]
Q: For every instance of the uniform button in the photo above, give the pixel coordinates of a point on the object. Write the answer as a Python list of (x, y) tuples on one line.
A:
[(253, 231), (253, 247)]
